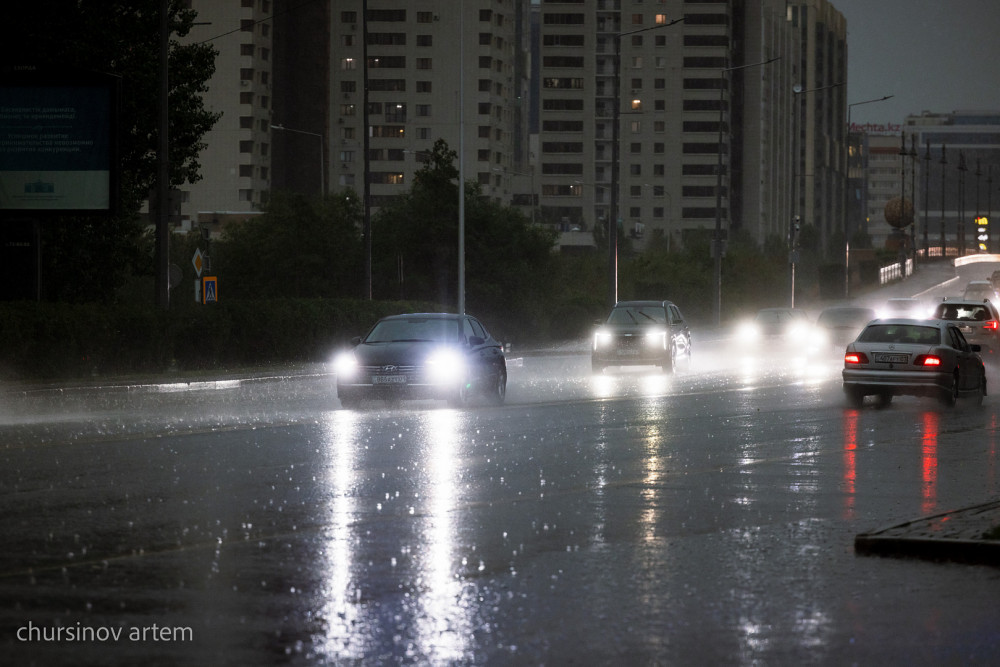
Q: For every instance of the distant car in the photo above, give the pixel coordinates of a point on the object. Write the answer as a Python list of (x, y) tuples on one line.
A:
[(995, 279), (775, 325), (912, 357), (977, 290), (839, 325), (904, 306), (642, 333), (423, 355), (979, 322)]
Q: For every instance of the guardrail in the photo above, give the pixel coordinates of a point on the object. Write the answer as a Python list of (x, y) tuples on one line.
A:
[(896, 271)]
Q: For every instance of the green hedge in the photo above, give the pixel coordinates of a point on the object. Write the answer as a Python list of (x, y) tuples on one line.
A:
[(60, 341)]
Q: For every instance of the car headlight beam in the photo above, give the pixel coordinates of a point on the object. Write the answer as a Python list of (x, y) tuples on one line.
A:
[(446, 366)]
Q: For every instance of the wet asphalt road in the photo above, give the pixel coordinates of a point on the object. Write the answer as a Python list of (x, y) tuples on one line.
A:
[(706, 518)]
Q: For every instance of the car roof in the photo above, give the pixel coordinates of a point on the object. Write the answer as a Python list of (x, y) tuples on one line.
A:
[(642, 303), (910, 320), (425, 316), (964, 302), (906, 299)]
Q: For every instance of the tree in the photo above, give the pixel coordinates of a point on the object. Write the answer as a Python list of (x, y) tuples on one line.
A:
[(415, 250), (119, 38), (299, 247)]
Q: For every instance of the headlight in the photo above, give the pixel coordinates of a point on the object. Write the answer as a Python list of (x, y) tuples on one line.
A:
[(657, 339), (445, 366), (798, 331), (601, 339), (747, 331), (346, 365)]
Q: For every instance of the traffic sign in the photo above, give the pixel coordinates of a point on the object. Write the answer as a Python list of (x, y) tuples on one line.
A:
[(197, 261), (210, 289)]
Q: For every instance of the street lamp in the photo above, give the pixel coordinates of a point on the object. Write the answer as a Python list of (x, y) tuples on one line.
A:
[(847, 191), (615, 120), (322, 171), (717, 239), (797, 218)]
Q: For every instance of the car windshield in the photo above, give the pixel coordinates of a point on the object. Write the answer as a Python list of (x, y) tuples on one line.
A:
[(962, 312), (638, 315), (845, 316), (421, 329), (911, 334), (774, 316)]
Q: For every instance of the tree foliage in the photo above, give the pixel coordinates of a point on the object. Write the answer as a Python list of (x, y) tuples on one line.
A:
[(119, 38), (509, 262), (299, 247)]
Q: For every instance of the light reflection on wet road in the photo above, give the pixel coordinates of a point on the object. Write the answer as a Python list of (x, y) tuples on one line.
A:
[(699, 518)]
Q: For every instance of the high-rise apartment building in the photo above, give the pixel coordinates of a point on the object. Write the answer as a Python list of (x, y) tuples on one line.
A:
[(742, 84), (236, 165)]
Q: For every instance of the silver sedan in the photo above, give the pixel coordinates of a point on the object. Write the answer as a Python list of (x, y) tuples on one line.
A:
[(893, 357)]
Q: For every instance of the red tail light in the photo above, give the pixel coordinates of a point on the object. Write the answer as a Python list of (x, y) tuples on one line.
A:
[(855, 358), (927, 360), (992, 325)]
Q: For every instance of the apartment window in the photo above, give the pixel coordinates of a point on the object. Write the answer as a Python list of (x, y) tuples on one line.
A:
[(659, 105), (347, 179), (395, 113), (347, 133), (636, 19), (485, 62), (484, 131), (636, 105), (659, 84), (425, 40), (387, 177), (264, 101), (348, 17), (635, 170), (265, 29), (246, 25), (263, 148), (635, 191), (562, 125), (636, 40), (562, 105), (423, 110), (423, 133), (246, 122), (387, 38), (484, 108), (483, 155), (636, 62), (347, 156), (424, 86), (425, 17), (703, 84), (657, 211), (348, 63), (659, 147), (635, 212), (246, 195), (424, 63), (635, 147), (347, 110), (387, 62), (563, 40), (485, 39), (562, 147), (246, 171), (562, 61), (562, 19), (571, 83), (347, 40), (484, 85), (485, 14), (698, 191), (264, 78), (388, 131), (246, 74), (659, 170), (387, 85), (348, 86), (572, 168), (246, 49), (706, 40), (246, 146)]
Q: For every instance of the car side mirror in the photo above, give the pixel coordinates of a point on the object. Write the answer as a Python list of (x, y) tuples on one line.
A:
[(355, 341), (976, 347), (476, 341)]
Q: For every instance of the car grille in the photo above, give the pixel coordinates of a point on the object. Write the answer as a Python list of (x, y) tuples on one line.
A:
[(389, 369)]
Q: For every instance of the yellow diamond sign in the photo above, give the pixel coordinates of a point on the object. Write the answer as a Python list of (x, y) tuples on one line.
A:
[(197, 261)]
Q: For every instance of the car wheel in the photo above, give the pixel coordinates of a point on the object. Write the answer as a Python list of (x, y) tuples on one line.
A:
[(671, 362), (460, 397), (949, 396), (981, 394), (498, 390), (855, 396), (884, 399)]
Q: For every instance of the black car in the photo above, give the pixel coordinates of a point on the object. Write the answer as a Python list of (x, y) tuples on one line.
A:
[(423, 355), (642, 333)]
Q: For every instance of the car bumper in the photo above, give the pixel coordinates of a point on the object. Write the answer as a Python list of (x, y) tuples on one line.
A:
[(912, 383), (639, 357)]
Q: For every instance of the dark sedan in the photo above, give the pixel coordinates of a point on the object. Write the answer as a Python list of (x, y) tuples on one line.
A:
[(642, 333), (423, 355)]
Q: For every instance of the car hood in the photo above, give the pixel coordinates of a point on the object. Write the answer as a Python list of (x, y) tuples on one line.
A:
[(401, 353)]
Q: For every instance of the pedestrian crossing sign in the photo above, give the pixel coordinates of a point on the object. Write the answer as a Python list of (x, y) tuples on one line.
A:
[(209, 289)]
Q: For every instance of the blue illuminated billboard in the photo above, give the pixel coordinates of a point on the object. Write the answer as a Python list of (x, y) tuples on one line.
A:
[(58, 143)]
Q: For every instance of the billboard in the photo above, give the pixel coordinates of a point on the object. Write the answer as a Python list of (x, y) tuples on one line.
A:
[(58, 142)]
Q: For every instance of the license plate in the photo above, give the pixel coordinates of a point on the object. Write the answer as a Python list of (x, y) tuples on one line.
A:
[(389, 379), (887, 358), (965, 329), (628, 351)]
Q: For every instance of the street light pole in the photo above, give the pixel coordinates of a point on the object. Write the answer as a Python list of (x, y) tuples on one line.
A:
[(717, 237), (927, 190), (847, 192), (612, 223), (944, 241)]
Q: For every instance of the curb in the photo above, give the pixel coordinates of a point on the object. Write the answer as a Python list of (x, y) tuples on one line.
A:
[(950, 536)]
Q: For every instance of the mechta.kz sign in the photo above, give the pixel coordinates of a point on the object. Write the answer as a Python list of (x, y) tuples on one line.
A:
[(876, 128)]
